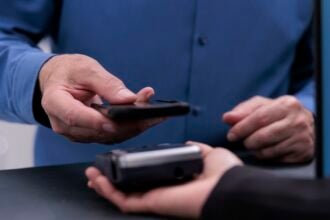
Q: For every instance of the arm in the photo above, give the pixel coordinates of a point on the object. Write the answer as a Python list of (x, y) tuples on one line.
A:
[(33, 83), (237, 193), (281, 129), (22, 25), (250, 193)]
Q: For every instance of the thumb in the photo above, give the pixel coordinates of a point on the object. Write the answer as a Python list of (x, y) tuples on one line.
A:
[(111, 88), (145, 94)]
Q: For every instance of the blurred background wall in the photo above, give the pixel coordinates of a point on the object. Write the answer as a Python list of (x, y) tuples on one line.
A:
[(16, 145)]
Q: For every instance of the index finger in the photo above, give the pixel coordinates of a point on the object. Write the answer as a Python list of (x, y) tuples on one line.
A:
[(109, 87), (260, 118), (72, 112), (243, 109), (145, 94)]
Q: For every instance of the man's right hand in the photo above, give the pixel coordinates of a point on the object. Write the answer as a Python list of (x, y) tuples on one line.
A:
[(70, 83)]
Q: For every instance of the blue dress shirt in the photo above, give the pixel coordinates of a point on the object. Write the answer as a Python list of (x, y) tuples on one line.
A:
[(213, 54)]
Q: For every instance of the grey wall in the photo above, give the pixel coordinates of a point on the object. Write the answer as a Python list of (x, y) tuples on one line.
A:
[(16, 145)]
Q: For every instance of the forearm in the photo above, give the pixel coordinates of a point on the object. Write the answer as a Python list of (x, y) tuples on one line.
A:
[(254, 194), (20, 65)]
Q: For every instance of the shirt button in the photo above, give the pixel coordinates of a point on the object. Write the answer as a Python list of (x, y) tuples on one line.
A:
[(202, 41)]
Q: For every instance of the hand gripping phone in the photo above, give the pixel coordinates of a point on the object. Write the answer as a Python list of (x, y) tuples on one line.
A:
[(157, 108), (147, 167)]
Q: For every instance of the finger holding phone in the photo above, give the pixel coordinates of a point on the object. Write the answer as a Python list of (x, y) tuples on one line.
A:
[(70, 83)]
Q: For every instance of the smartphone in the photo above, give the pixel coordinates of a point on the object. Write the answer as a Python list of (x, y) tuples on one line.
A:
[(143, 168), (157, 108)]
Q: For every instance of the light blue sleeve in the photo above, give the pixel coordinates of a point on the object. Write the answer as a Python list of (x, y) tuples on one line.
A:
[(22, 24), (306, 96), (302, 72)]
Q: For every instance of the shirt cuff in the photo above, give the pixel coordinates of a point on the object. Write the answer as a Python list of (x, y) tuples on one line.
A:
[(25, 81), (307, 96)]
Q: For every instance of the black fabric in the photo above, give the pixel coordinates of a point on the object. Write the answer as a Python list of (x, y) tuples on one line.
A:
[(57, 192), (302, 68), (250, 193), (38, 112)]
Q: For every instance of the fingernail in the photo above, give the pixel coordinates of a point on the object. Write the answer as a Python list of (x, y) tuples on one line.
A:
[(230, 114), (150, 94), (126, 93), (108, 127), (232, 137), (225, 115)]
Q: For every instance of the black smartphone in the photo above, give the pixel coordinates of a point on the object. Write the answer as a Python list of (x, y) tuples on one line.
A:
[(157, 108), (143, 168)]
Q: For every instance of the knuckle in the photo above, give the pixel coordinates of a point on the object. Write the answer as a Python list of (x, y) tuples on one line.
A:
[(262, 119), (262, 136), (113, 83), (81, 59), (255, 142), (257, 98), (306, 143), (290, 102), (305, 140), (44, 103), (310, 142), (250, 143), (58, 129), (70, 117), (269, 152), (302, 123), (276, 133), (82, 63)]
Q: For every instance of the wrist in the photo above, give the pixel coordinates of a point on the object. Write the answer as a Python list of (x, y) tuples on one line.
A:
[(47, 69)]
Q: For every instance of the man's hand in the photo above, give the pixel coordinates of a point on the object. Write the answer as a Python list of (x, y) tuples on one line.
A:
[(280, 129), (184, 200), (70, 83)]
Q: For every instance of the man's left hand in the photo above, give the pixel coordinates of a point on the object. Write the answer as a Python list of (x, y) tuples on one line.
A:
[(280, 129)]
